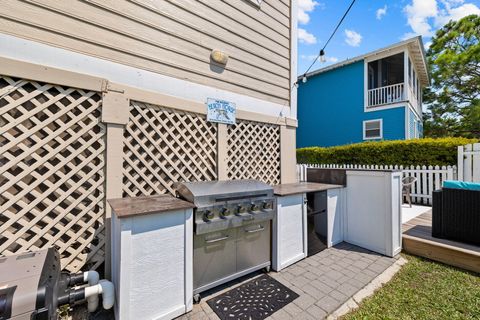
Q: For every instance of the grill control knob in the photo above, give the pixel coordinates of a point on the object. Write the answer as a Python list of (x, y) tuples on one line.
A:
[(240, 209), (208, 215), (225, 212), (255, 207), (267, 205)]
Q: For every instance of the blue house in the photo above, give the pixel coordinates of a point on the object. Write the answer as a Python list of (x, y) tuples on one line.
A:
[(376, 96)]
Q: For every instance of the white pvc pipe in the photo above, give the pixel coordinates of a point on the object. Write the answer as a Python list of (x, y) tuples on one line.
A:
[(108, 294), (92, 277), (106, 289)]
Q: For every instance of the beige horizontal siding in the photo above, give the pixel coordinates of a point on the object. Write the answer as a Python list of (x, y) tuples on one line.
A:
[(174, 37)]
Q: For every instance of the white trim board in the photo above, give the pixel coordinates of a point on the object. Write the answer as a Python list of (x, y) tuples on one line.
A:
[(402, 104), (38, 53), (293, 58)]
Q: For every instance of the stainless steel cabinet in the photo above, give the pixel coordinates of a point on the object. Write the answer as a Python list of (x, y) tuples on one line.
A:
[(215, 257), (224, 255), (253, 245)]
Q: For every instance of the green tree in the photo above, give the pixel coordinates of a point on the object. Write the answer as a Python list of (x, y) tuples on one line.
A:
[(453, 100)]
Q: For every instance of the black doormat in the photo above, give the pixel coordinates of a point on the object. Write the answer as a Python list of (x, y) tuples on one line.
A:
[(254, 300)]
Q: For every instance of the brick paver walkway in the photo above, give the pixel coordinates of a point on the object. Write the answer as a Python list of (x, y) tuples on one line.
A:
[(324, 282)]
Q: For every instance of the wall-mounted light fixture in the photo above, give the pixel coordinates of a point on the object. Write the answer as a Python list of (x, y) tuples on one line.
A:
[(219, 57)]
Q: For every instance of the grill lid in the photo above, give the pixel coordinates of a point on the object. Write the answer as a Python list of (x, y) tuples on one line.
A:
[(203, 192)]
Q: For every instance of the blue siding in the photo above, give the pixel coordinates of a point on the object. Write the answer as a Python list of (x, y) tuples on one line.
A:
[(412, 125), (331, 110), (420, 129), (415, 124)]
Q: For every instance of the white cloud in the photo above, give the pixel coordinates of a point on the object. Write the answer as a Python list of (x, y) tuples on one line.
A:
[(456, 13), (311, 57), (304, 7), (332, 59), (305, 37), (418, 15), (424, 16), (381, 12), (353, 38)]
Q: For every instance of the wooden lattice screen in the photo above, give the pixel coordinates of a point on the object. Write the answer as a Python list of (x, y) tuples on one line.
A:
[(52, 159), (253, 151), (163, 146)]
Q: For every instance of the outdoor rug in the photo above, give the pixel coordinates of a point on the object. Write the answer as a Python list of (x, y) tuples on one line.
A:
[(254, 300)]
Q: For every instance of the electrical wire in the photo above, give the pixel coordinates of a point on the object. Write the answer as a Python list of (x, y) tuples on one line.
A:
[(322, 51)]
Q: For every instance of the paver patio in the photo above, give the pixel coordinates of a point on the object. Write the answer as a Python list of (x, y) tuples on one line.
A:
[(324, 282)]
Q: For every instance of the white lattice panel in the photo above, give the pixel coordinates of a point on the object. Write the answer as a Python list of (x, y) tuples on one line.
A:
[(163, 146), (52, 171), (254, 152)]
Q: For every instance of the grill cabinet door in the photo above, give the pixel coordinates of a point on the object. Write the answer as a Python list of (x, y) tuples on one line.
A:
[(213, 256), (253, 245)]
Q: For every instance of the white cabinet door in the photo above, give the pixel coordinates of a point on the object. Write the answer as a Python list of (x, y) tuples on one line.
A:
[(336, 211), (289, 236), (373, 219)]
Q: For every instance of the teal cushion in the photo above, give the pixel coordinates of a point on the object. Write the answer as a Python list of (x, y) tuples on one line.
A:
[(461, 185)]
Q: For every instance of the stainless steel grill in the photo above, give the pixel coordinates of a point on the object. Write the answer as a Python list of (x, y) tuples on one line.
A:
[(232, 229)]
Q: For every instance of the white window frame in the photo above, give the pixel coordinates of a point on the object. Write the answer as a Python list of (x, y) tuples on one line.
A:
[(364, 129)]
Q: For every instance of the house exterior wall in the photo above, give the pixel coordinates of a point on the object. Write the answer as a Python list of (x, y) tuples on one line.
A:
[(172, 38), (148, 100), (331, 109)]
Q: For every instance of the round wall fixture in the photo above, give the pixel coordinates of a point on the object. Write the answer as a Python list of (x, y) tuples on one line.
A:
[(219, 57)]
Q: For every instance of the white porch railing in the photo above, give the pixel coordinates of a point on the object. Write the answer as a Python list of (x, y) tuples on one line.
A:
[(429, 178), (385, 95)]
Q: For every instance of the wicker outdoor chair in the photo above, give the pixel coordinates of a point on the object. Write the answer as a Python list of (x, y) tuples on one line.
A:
[(407, 184), (456, 215)]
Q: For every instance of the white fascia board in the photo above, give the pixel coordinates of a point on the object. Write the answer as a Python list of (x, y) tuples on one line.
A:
[(42, 54)]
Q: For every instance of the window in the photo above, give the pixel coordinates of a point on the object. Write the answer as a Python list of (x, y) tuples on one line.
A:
[(410, 71), (418, 90), (414, 82), (373, 129)]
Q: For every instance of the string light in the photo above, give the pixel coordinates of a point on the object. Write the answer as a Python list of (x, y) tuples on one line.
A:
[(321, 54)]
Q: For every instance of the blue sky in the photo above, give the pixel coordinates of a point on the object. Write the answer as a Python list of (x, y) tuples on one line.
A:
[(370, 25)]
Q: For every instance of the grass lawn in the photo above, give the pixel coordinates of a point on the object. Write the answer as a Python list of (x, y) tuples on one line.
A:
[(424, 289)]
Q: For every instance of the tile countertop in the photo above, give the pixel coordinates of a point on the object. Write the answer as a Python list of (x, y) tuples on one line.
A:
[(128, 207), (303, 187)]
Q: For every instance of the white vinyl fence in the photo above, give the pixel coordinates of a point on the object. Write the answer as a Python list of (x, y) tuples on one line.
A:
[(469, 162), (429, 178)]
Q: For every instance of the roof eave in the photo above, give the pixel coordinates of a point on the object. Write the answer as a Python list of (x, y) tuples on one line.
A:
[(417, 40)]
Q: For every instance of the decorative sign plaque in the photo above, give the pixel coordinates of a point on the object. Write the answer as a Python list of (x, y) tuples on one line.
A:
[(221, 111)]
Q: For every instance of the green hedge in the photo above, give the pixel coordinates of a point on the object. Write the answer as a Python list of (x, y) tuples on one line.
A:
[(402, 152)]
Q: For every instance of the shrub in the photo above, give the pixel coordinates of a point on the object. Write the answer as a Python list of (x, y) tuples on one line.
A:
[(427, 151)]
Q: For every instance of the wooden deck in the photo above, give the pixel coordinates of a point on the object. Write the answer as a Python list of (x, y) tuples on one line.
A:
[(418, 240)]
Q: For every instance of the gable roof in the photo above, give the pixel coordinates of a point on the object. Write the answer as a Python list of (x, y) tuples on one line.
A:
[(417, 51)]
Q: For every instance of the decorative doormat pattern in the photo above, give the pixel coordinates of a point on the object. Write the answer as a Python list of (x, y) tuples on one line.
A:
[(254, 300)]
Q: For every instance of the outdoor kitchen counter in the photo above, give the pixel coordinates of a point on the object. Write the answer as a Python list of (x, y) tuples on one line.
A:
[(290, 232), (127, 207), (302, 187), (152, 236)]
